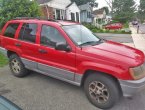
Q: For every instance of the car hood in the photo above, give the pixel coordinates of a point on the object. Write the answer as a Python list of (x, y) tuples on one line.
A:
[(115, 52)]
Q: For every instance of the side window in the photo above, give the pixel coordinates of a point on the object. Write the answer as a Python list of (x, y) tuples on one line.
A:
[(51, 36), (28, 32), (11, 29)]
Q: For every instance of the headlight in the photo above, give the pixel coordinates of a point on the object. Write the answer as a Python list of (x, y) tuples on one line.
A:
[(137, 72)]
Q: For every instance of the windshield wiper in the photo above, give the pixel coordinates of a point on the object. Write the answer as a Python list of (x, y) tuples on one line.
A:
[(92, 42), (89, 43)]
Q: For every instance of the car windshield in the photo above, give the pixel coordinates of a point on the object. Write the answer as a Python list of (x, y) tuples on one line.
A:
[(81, 35)]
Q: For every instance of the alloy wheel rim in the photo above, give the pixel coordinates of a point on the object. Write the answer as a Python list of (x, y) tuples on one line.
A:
[(99, 92), (15, 65)]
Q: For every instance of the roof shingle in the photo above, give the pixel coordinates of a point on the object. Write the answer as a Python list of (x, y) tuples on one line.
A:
[(42, 1), (99, 11)]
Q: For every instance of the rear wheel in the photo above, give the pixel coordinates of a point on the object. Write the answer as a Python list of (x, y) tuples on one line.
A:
[(102, 90), (17, 67)]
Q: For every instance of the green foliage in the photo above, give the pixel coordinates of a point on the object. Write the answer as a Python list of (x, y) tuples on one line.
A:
[(142, 5), (89, 26), (126, 25), (18, 8), (123, 10), (3, 60), (141, 12)]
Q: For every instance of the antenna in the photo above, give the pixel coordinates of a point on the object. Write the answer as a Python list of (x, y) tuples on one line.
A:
[(81, 36)]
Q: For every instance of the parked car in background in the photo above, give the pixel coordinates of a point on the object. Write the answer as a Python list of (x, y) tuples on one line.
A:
[(70, 52), (135, 22), (114, 26)]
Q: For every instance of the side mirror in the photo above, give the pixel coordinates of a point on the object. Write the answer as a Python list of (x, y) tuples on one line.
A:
[(63, 47)]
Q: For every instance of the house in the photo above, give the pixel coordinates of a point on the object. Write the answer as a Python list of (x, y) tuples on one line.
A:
[(86, 13), (73, 12), (99, 17), (60, 9), (108, 19)]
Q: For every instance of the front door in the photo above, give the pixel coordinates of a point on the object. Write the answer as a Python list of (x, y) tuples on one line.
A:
[(54, 62)]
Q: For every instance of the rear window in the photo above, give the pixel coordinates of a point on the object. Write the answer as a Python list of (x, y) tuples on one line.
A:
[(11, 29)]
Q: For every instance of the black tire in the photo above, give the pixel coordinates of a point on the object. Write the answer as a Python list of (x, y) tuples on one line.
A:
[(21, 71), (113, 94)]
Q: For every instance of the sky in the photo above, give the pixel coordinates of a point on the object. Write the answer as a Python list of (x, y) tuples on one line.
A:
[(103, 3)]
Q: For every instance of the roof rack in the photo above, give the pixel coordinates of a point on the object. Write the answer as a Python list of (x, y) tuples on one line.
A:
[(25, 18), (38, 18)]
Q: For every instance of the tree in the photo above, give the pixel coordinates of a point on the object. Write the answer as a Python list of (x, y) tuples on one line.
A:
[(18, 8), (106, 9), (81, 2), (141, 11), (123, 10), (110, 4), (0, 4), (93, 4), (142, 5)]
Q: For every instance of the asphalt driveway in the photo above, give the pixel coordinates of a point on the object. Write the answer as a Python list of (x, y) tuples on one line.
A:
[(121, 38), (39, 92)]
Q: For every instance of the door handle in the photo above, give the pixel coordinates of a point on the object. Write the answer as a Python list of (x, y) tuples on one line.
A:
[(42, 51), (18, 44)]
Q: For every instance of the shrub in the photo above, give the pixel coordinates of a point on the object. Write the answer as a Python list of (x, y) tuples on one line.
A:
[(18, 8)]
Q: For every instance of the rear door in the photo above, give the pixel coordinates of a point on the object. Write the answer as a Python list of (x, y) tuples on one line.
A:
[(27, 44)]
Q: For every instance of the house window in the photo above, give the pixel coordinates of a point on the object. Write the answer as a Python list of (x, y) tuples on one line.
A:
[(77, 17), (88, 14), (54, 13), (58, 14), (72, 16), (62, 14)]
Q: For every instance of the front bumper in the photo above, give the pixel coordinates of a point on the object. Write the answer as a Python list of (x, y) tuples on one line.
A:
[(129, 88), (3, 51)]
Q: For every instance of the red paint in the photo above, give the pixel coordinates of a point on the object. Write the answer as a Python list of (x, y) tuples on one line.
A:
[(108, 57), (114, 26)]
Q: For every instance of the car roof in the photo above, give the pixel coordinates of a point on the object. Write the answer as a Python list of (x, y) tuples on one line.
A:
[(53, 22)]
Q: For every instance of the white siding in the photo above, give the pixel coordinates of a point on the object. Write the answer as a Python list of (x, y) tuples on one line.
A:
[(72, 9), (84, 17)]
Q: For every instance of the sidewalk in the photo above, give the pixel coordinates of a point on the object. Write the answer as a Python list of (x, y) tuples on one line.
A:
[(138, 39)]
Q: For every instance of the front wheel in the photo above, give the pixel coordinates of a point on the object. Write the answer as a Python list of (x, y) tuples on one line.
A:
[(102, 90)]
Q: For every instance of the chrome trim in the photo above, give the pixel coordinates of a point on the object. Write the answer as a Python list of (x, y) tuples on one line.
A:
[(54, 72), (3, 51)]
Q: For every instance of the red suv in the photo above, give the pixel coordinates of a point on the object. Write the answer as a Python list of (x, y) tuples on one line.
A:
[(72, 53)]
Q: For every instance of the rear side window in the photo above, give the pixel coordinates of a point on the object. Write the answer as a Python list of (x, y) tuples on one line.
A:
[(11, 30), (28, 32)]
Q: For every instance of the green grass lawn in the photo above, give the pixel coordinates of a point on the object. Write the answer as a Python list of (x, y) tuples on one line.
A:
[(3, 60)]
